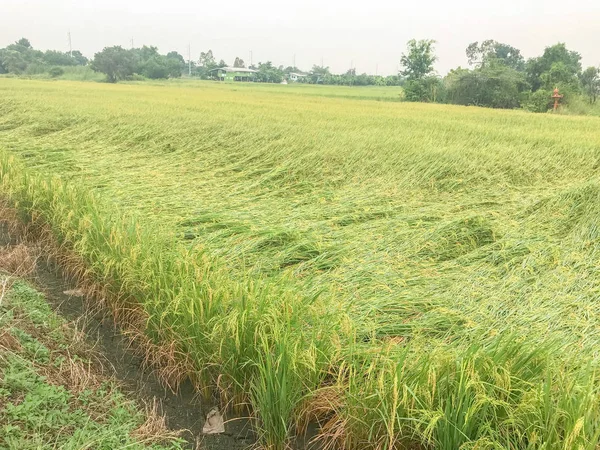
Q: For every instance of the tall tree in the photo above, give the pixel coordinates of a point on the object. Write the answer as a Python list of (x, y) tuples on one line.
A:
[(176, 56), (239, 62), (590, 81), (23, 43), (421, 83), (419, 59), (79, 58), (175, 63), (490, 53), (558, 66), (207, 60), (57, 58), (319, 74)]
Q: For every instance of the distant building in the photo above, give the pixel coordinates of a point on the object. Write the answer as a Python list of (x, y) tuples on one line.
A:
[(232, 74), (297, 76)]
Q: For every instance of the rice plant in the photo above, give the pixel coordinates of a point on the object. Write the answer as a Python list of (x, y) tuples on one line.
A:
[(400, 275)]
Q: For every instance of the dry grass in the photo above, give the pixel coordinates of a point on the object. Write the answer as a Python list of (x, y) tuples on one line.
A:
[(155, 430), (18, 260)]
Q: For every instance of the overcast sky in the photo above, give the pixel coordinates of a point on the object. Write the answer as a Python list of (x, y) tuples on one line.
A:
[(367, 34)]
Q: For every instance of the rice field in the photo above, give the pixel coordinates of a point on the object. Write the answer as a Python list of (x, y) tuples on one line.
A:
[(404, 276)]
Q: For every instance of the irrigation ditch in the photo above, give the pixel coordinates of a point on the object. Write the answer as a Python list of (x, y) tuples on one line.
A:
[(183, 409)]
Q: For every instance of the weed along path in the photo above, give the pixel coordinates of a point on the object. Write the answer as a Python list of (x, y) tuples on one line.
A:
[(390, 275), (184, 412)]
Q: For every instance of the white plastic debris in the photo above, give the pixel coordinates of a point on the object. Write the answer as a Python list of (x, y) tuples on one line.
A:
[(214, 422)]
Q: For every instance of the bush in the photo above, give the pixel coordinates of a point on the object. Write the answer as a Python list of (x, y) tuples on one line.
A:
[(36, 69), (155, 68), (428, 89), (494, 87), (538, 101), (56, 71)]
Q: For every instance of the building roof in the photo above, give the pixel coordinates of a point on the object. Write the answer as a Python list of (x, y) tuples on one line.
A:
[(299, 74), (236, 69)]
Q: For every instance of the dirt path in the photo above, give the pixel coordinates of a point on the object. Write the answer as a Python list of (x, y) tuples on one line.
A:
[(182, 410)]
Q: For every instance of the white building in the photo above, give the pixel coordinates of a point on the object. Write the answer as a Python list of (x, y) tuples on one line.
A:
[(296, 76)]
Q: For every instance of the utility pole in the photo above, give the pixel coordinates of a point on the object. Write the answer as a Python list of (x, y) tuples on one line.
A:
[(294, 61), (251, 58), (376, 69), (189, 59), (70, 46), (322, 62), (132, 42)]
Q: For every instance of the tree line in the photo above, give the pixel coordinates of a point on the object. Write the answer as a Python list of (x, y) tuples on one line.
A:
[(497, 76), (116, 62), (21, 58)]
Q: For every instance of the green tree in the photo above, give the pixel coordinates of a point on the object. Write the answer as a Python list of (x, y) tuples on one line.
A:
[(418, 61), (176, 56), (318, 74), (79, 58), (268, 73), (491, 52), (590, 82), (56, 58), (207, 60), (558, 66), (56, 72), (116, 62), (239, 62), (17, 57), (12, 61), (206, 64), (146, 52), (155, 68), (176, 64), (426, 89), (24, 44), (290, 69), (494, 86), (562, 76), (421, 83)]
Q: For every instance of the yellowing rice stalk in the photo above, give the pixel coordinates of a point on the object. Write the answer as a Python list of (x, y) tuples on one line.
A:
[(405, 275)]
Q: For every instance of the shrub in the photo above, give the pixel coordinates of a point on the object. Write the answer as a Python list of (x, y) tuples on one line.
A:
[(56, 71), (538, 101), (494, 87), (427, 89)]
